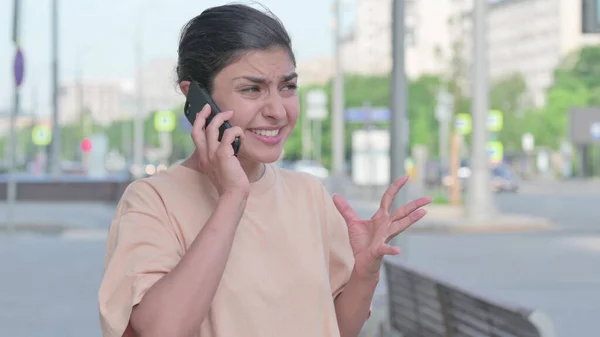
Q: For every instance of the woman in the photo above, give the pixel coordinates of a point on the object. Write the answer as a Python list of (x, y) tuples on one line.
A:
[(231, 246)]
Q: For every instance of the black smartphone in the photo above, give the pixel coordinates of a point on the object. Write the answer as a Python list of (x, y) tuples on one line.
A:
[(197, 98)]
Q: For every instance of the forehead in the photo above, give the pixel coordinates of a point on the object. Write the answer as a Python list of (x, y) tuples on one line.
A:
[(268, 64)]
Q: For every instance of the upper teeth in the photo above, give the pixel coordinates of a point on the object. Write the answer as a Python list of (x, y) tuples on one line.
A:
[(267, 133)]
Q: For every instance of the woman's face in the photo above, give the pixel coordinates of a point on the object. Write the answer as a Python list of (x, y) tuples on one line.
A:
[(260, 89)]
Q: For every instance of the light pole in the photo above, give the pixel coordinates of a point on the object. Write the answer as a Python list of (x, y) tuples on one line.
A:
[(138, 121), (338, 141), (480, 205), (19, 67), (55, 145), (399, 130)]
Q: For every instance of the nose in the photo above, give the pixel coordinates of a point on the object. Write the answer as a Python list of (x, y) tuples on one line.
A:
[(274, 108)]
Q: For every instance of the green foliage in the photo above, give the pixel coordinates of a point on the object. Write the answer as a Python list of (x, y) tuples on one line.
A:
[(508, 95)]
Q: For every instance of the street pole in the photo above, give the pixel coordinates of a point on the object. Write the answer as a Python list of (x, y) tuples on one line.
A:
[(444, 113), (306, 137), (138, 127), (317, 128), (399, 130), (338, 141), (11, 186), (55, 146), (479, 206)]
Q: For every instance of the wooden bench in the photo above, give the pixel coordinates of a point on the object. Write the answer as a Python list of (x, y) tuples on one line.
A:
[(423, 306)]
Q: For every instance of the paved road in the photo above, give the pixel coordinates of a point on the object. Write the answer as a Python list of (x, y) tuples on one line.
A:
[(49, 283), (576, 213), (48, 286)]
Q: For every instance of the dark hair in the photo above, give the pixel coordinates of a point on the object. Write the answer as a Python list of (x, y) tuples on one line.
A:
[(221, 35)]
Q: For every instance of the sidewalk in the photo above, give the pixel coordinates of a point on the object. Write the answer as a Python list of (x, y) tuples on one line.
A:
[(452, 219), (57, 218), (439, 218)]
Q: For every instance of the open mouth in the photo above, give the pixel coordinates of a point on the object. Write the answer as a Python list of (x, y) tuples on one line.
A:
[(266, 133), (268, 137)]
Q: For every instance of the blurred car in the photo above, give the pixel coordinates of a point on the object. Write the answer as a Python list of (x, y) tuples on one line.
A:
[(463, 174), (504, 179)]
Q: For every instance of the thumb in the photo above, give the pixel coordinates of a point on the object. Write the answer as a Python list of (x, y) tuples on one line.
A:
[(386, 249), (344, 208)]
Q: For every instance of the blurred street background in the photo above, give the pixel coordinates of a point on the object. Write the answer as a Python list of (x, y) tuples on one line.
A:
[(494, 110)]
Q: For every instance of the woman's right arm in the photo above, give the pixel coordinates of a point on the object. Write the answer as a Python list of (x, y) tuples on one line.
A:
[(178, 303)]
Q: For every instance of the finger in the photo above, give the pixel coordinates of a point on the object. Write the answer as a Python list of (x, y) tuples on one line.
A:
[(386, 249), (345, 209), (212, 130), (391, 192), (410, 207), (198, 135), (225, 148), (401, 225)]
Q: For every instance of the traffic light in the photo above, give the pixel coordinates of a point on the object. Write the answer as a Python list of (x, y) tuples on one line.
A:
[(86, 145), (590, 16)]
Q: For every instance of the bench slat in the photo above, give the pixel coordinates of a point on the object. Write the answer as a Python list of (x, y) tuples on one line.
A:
[(422, 306)]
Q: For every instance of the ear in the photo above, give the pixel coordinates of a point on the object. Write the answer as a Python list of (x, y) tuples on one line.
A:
[(185, 87)]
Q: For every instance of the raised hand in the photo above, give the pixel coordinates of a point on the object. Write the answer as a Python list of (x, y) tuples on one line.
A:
[(369, 238)]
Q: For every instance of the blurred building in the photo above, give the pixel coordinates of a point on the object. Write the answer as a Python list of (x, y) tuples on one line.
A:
[(159, 85), (316, 71), (531, 37), (22, 121), (367, 50), (320, 70), (103, 99), (428, 38), (108, 101)]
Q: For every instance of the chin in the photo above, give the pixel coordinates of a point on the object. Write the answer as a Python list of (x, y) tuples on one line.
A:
[(270, 156), (266, 156)]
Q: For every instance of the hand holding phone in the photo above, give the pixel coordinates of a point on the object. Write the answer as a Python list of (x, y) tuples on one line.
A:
[(197, 98), (216, 158)]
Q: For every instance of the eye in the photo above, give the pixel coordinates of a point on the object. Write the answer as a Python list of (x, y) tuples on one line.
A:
[(290, 87), (251, 89)]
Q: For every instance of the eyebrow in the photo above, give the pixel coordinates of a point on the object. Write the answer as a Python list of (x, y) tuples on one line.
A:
[(262, 80)]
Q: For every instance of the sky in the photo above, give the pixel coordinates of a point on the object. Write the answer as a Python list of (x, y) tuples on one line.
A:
[(98, 38)]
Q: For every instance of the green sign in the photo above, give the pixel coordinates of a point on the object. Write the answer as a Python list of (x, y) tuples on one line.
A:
[(41, 135), (495, 121), (496, 152), (463, 123), (165, 121)]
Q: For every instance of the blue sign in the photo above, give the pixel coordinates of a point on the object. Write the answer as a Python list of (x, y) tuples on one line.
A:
[(362, 115), (19, 67), (183, 124), (595, 130)]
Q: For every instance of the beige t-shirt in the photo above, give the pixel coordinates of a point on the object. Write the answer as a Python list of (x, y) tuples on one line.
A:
[(290, 257)]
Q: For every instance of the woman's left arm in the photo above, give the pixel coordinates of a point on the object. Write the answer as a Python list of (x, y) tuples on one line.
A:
[(353, 304), (369, 242)]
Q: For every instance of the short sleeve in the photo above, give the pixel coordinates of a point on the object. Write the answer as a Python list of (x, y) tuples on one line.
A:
[(142, 247), (341, 257)]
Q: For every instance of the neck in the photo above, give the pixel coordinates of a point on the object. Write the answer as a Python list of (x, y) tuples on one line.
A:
[(254, 171)]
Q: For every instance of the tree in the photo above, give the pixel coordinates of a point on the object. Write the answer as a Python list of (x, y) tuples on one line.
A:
[(550, 124), (576, 83), (421, 112), (509, 95), (375, 90)]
